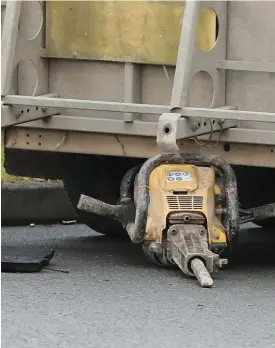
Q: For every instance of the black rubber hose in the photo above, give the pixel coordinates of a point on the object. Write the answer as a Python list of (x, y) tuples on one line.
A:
[(90, 204), (136, 229), (127, 185)]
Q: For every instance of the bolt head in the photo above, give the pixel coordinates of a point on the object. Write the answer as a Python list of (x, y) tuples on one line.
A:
[(221, 262)]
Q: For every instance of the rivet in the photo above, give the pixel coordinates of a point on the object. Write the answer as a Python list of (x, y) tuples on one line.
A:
[(18, 114)]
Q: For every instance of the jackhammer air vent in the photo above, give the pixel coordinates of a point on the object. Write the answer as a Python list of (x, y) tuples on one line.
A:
[(180, 202)]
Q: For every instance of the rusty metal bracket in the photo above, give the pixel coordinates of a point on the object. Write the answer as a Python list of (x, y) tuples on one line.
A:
[(12, 115), (174, 126), (167, 131)]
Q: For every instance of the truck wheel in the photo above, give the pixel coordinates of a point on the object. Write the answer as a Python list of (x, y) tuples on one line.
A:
[(256, 187), (98, 177), (267, 224)]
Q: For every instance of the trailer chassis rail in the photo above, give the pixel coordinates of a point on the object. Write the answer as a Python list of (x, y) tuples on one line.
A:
[(169, 123)]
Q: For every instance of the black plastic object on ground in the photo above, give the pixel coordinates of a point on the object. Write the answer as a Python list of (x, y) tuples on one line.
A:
[(21, 259)]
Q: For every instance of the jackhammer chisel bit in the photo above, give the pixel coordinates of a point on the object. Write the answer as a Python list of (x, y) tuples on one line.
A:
[(189, 250), (201, 273)]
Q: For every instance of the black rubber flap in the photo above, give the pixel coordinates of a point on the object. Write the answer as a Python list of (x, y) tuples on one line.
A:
[(24, 258)]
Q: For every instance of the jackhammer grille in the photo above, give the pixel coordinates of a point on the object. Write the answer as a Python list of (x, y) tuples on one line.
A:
[(180, 202)]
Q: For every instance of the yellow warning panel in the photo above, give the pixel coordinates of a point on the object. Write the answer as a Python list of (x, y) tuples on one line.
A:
[(128, 31)]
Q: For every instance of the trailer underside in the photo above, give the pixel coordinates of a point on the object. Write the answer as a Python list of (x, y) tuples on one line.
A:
[(82, 89)]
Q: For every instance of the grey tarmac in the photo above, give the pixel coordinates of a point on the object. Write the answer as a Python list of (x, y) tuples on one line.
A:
[(113, 297)]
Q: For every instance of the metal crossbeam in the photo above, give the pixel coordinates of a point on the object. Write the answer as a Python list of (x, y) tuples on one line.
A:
[(220, 113), (237, 115), (245, 66), (137, 128), (86, 104)]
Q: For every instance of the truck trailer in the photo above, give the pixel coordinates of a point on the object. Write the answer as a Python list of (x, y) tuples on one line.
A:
[(159, 117)]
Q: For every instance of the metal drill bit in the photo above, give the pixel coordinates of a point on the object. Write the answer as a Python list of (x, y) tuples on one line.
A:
[(201, 273)]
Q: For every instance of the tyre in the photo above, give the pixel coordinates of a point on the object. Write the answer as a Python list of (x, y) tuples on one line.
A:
[(98, 177), (256, 187), (267, 224)]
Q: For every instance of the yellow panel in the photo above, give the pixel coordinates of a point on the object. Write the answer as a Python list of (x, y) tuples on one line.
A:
[(134, 31)]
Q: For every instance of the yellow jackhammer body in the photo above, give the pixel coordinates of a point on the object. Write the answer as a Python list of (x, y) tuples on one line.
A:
[(183, 213), (182, 209)]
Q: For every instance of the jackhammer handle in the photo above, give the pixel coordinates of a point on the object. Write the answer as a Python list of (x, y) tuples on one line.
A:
[(95, 206), (201, 273)]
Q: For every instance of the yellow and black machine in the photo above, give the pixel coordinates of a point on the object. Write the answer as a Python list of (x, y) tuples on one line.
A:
[(104, 85), (183, 209)]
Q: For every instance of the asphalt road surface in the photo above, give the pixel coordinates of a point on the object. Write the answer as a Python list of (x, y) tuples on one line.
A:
[(113, 297)]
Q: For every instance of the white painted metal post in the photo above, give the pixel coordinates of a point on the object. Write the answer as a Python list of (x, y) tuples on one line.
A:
[(9, 38), (132, 88), (185, 55)]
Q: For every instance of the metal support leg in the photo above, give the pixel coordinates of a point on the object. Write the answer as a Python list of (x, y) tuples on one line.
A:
[(132, 88), (166, 136), (185, 54), (9, 38)]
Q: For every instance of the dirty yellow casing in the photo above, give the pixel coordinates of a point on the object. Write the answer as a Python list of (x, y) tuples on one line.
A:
[(180, 188), (145, 32)]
